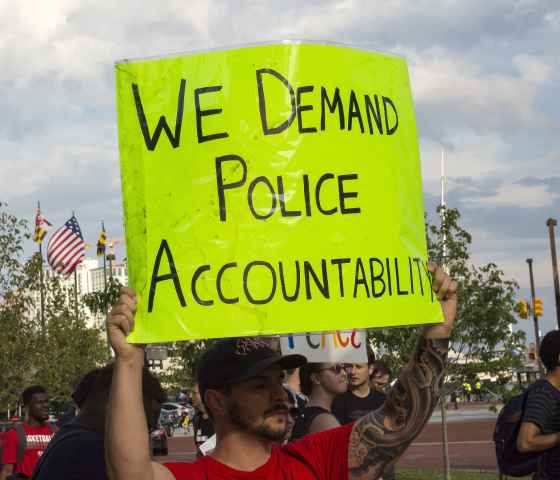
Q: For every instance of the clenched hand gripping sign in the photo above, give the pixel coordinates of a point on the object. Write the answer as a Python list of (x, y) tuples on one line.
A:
[(270, 190)]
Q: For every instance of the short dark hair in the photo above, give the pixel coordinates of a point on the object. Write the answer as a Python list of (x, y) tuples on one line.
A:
[(381, 368), (97, 383), (370, 355), (305, 373), (550, 350), (28, 393)]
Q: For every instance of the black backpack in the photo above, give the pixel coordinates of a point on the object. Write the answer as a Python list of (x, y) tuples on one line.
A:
[(510, 460)]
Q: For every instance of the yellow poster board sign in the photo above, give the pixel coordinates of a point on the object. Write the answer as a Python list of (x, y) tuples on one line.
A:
[(272, 189)]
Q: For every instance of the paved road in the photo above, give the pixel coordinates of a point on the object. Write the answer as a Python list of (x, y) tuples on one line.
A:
[(470, 445)]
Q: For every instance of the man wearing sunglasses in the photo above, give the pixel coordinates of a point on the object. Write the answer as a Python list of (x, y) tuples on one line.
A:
[(321, 382), (241, 384)]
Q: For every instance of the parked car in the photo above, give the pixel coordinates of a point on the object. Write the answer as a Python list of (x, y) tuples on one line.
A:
[(158, 440), (173, 407)]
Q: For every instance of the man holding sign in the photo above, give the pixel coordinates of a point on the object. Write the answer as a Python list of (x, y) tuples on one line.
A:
[(241, 385)]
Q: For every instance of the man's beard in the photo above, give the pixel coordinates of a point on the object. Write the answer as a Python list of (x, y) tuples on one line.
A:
[(263, 430)]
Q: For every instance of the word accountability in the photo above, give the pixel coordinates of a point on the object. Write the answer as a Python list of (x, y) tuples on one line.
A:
[(298, 280)]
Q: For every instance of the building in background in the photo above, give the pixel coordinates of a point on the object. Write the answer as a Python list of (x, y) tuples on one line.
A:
[(90, 278)]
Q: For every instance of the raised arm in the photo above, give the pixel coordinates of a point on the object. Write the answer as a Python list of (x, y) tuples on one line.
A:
[(382, 436), (127, 445)]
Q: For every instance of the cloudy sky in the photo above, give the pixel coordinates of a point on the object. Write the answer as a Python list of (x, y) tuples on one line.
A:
[(485, 78)]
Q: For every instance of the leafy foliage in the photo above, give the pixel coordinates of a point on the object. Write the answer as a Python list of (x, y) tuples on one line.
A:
[(98, 302), (53, 356), (482, 340)]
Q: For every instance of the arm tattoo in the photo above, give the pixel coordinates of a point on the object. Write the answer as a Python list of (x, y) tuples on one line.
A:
[(382, 436)]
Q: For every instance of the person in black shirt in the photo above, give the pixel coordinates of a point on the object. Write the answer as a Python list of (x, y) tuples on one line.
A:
[(321, 382), (540, 428), (202, 423), (77, 451), (360, 397), (380, 380)]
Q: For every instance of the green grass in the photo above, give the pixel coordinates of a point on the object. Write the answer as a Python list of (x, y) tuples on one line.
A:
[(413, 474)]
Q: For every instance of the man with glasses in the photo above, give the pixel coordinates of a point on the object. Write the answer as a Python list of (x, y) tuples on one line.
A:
[(321, 382)]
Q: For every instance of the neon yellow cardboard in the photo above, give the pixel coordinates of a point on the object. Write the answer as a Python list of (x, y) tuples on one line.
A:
[(272, 189)]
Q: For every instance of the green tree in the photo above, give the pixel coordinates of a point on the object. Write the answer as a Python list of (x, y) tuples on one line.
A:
[(69, 347), (99, 302), (482, 341), (183, 357), (19, 331), (54, 357)]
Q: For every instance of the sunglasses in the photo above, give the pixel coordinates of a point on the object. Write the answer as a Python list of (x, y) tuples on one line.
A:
[(337, 369)]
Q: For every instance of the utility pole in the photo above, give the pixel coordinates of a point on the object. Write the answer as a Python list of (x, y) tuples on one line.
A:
[(442, 400), (551, 223), (535, 318)]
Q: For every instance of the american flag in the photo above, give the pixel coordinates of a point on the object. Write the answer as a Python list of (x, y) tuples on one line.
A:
[(66, 248)]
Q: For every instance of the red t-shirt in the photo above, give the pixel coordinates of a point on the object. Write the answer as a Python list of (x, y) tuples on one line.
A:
[(319, 456), (37, 440)]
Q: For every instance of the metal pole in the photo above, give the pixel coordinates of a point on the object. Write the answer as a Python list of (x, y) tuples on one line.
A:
[(551, 223), (446, 463), (76, 294), (442, 402), (41, 286), (105, 303), (535, 318), (42, 289)]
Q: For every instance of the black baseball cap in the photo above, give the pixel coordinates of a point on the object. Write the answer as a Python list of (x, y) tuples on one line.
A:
[(233, 360)]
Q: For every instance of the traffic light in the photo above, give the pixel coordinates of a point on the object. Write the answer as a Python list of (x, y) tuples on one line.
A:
[(538, 307), (531, 352), (522, 308)]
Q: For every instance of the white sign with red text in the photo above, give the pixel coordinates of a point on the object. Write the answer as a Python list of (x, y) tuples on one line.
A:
[(331, 347)]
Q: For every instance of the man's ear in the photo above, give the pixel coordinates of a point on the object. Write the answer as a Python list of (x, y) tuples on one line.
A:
[(216, 403), (371, 369)]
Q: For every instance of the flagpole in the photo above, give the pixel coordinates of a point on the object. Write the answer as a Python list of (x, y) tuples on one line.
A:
[(75, 283), (105, 302), (442, 211), (41, 286), (442, 402), (76, 293)]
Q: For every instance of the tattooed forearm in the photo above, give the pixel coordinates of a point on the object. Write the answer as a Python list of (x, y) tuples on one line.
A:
[(382, 436)]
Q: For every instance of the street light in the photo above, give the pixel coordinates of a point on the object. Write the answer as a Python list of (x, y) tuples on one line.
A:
[(551, 223)]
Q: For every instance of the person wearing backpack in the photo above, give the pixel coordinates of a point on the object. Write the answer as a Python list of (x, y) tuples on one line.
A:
[(540, 426), (25, 443)]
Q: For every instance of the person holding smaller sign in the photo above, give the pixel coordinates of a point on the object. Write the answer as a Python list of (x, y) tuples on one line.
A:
[(241, 384), (321, 382)]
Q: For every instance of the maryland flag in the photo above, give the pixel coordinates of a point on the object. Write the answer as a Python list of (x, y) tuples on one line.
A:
[(42, 225), (101, 242)]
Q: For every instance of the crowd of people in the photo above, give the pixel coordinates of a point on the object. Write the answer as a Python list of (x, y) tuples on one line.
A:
[(343, 421), (259, 414)]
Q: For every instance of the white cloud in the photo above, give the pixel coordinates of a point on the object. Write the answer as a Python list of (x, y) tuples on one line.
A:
[(467, 96), (484, 77), (515, 194)]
